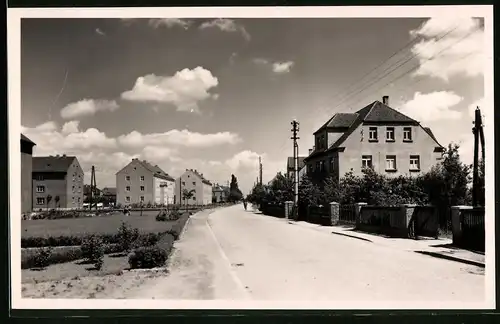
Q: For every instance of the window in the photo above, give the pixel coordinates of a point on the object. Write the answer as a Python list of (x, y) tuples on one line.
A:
[(142, 188), (317, 166), (407, 134), (127, 178), (39, 177), (127, 199), (73, 188), (372, 134), (194, 198), (142, 178), (310, 168), (389, 134), (194, 183), (78, 199), (414, 163), (332, 164), (183, 183), (322, 141), (142, 198), (321, 165), (40, 201), (40, 189), (390, 163), (127, 188), (366, 161)]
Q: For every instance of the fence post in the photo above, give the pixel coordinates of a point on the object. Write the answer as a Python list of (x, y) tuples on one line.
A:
[(357, 211), (288, 209), (334, 213), (456, 223)]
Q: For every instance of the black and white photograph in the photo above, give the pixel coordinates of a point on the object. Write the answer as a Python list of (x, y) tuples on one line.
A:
[(327, 158)]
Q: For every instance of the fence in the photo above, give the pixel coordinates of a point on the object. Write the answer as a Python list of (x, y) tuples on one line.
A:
[(468, 227), (276, 210), (347, 214), (318, 215)]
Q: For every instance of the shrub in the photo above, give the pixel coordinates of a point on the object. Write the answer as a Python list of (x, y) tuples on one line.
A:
[(42, 257), (148, 239), (147, 257), (127, 236), (93, 248)]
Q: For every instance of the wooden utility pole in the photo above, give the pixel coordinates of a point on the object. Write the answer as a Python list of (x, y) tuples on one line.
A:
[(93, 187), (477, 130), (295, 130), (260, 171)]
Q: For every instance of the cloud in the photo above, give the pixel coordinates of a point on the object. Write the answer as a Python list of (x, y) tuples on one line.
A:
[(169, 23), (88, 107), (179, 138), (226, 25), (283, 67), (232, 58), (450, 46), (70, 127), (432, 106), (100, 32), (184, 90), (277, 67)]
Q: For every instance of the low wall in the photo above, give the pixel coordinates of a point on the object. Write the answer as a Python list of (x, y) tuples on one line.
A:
[(273, 210), (468, 227), (391, 221)]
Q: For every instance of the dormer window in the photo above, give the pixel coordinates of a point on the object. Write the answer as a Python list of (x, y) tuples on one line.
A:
[(372, 134)]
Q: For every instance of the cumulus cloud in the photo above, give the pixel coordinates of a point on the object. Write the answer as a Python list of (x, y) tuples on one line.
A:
[(169, 22), (178, 138), (185, 89), (282, 67), (450, 46), (432, 106), (226, 25), (70, 127), (88, 107)]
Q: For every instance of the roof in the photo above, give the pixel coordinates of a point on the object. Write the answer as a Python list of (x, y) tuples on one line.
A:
[(156, 170), (376, 112), (52, 163), (109, 191), (339, 120), (25, 139), (290, 162)]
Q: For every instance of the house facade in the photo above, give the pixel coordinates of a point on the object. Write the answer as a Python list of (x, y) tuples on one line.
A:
[(192, 180), (109, 194), (376, 136), (59, 178), (26, 178), (220, 193), (141, 182)]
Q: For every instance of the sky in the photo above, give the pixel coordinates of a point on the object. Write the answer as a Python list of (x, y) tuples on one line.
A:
[(217, 94)]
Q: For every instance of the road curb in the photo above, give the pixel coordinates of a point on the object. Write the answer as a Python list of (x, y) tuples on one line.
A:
[(452, 258)]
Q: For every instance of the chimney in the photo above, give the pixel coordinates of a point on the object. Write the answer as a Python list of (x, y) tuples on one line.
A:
[(385, 100)]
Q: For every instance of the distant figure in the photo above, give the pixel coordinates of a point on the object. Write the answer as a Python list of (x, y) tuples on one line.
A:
[(245, 204), (126, 211)]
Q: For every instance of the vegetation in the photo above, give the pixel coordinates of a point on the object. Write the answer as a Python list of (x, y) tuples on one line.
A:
[(235, 193), (147, 257)]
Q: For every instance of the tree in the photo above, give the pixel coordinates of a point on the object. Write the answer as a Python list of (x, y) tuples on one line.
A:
[(56, 200), (49, 199), (280, 190), (235, 193), (257, 195), (188, 194), (331, 190), (309, 193)]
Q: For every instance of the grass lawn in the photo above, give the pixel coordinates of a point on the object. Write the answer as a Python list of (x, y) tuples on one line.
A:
[(97, 225)]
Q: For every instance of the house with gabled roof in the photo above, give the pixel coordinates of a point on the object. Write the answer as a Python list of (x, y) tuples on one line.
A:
[(26, 170), (57, 182), (193, 181), (376, 136), (142, 182), (220, 193)]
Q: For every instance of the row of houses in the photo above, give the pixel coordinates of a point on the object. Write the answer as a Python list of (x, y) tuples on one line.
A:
[(58, 182), (376, 136)]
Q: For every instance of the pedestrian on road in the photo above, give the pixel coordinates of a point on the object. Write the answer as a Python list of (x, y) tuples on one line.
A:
[(245, 204)]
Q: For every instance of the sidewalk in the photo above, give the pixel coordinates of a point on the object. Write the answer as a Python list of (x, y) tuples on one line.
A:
[(439, 248)]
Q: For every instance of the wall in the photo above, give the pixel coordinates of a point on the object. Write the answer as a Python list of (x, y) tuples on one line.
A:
[(468, 227), (55, 185), (357, 145), (26, 183), (135, 170), (163, 195), (207, 194), (74, 188)]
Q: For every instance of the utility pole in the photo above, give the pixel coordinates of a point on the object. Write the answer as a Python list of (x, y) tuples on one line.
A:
[(260, 171), (477, 130), (93, 187), (295, 130)]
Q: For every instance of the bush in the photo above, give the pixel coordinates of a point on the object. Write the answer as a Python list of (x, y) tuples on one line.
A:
[(42, 258), (93, 248), (127, 236), (148, 239), (147, 257)]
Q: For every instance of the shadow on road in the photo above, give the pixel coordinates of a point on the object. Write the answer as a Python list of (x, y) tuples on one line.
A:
[(452, 247), (352, 236)]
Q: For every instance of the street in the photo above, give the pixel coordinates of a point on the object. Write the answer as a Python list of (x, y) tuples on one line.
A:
[(234, 254)]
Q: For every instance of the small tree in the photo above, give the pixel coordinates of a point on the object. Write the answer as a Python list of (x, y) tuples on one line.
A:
[(49, 199), (56, 200), (309, 193), (188, 194), (235, 193)]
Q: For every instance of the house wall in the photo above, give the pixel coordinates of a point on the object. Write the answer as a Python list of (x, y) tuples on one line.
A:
[(207, 194), (55, 185), (189, 180), (74, 186), (135, 170), (26, 183), (357, 145), (163, 195)]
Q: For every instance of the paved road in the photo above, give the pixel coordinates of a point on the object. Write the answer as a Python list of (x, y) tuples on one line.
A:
[(237, 254)]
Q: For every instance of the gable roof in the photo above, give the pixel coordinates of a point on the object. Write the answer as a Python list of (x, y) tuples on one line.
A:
[(290, 162), (109, 191), (156, 170), (339, 120), (376, 112), (52, 163), (27, 140), (199, 175)]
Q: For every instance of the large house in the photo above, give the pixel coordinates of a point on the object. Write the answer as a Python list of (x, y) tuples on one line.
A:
[(376, 136), (26, 169), (194, 182), (220, 193), (57, 182), (109, 194), (290, 165), (141, 182)]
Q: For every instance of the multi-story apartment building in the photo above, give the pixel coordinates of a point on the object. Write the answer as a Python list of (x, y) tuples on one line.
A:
[(192, 180), (141, 182), (376, 136), (26, 177), (57, 182)]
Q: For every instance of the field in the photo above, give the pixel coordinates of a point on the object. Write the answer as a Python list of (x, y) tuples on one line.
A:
[(93, 225)]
